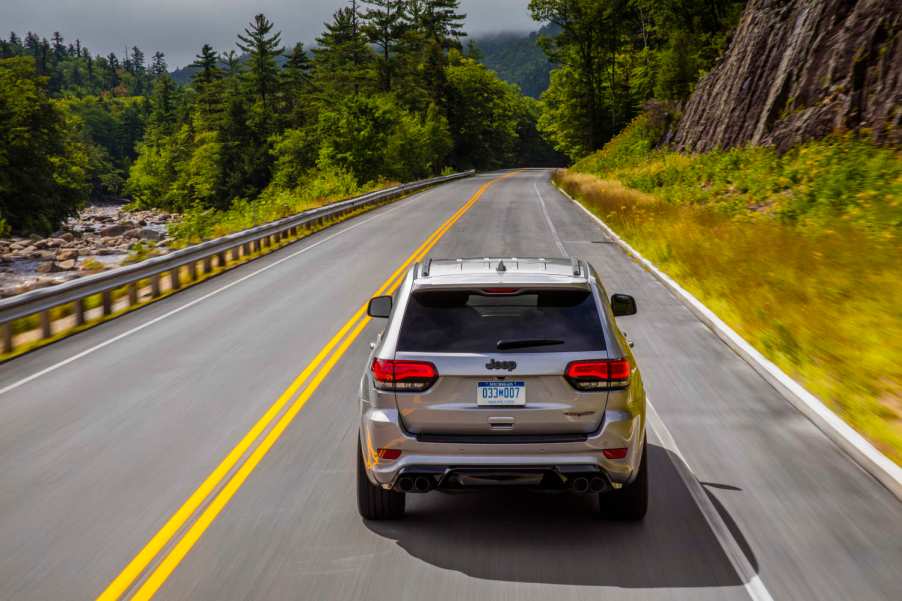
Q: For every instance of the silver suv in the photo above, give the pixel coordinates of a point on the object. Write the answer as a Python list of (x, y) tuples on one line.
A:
[(502, 372)]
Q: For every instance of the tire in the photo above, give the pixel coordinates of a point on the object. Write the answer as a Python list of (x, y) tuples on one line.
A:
[(629, 503), (374, 502)]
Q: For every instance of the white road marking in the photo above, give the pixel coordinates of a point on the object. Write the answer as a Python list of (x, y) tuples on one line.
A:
[(750, 579), (196, 301), (554, 234)]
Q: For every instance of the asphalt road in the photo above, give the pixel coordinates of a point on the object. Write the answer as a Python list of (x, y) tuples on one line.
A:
[(105, 435)]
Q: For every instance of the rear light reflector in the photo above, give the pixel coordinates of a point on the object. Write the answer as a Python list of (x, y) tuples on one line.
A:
[(403, 376), (500, 290), (388, 453), (600, 374), (615, 453)]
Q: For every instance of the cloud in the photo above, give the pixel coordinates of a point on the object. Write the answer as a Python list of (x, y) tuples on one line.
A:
[(180, 27)]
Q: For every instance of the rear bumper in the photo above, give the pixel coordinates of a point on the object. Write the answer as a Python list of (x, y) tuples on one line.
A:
[(382, 429)]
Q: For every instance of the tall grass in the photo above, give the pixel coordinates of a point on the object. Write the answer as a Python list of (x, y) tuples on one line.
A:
[(808, 271), (274, 203)]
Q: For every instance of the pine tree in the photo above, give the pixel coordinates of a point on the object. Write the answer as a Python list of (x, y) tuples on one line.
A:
[(438, 27), (59, 48), (343, 57), (163, 105), (263, 48), (442, 22), (233, 63), (207, 63), (385, 23), (158, 65), (139, 70), (296, 76), (113, 63), (206, 81)]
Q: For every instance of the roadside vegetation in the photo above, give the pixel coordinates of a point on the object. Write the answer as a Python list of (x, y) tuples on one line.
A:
[(798, 252)]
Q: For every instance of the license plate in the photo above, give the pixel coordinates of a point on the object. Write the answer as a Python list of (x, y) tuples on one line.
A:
[(501, 393)]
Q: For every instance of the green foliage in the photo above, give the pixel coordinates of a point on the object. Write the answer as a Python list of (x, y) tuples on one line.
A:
[(615, 55), (262, 47), (418, 146), (354, 134), (841, 178), (315, 189), (43, 168), (482, 116), (343, 59), (110, 129), (385, 25), (387, 95)]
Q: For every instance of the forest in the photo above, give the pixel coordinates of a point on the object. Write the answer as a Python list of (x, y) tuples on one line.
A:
[(613, 56), (388, 92)]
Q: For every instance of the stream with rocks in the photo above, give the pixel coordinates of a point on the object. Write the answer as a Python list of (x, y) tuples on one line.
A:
[(100, 237)]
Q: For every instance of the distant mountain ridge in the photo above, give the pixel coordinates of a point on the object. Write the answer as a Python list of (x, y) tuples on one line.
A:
[(517, 58)]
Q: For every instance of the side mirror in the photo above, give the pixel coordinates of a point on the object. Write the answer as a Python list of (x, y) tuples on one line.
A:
[(623, 304), (379, 306)]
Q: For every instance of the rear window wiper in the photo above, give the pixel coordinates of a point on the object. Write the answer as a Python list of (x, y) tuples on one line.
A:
[(504, 345)]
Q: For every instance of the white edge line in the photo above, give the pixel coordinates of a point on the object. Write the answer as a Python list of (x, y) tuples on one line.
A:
[(854, 444), (557, 238), (136, 329), (752, 583)]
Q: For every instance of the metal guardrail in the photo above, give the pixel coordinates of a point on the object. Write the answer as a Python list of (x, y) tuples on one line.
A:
[(247, 242)]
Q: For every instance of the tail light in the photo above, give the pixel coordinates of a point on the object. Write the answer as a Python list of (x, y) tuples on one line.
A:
[(614, 453), (403, 376), (603, 374), (390, 454)]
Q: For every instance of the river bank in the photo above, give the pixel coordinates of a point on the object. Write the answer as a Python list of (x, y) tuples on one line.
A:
[(101, 237)]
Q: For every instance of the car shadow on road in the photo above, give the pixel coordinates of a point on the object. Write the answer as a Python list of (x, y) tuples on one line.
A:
[(559, 539)]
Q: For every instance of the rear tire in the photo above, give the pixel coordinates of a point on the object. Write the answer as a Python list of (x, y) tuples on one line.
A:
[(374, 502), (629, 503)]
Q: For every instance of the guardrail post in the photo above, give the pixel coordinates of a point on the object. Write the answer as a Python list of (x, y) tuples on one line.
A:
[(79, 307), (175, 280), (155, 286), (192, 271), (46, 326), (106, 299), (246, 248), (132, 294), (236, 253), (222, 259), (6, 332), (208, 265)]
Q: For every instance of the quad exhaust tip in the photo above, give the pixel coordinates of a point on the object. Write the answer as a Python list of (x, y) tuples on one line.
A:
[(415, 484), (588, 484)]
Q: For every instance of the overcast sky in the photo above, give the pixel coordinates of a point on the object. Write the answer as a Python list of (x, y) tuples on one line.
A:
[(180, 27)]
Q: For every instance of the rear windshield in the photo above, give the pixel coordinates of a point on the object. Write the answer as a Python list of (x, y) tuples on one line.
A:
[(462, 321)]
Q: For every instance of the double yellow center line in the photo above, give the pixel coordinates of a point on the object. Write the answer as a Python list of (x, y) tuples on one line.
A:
[(324, 361)]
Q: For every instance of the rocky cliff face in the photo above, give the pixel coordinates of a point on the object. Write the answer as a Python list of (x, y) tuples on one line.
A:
[(800, 69)]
